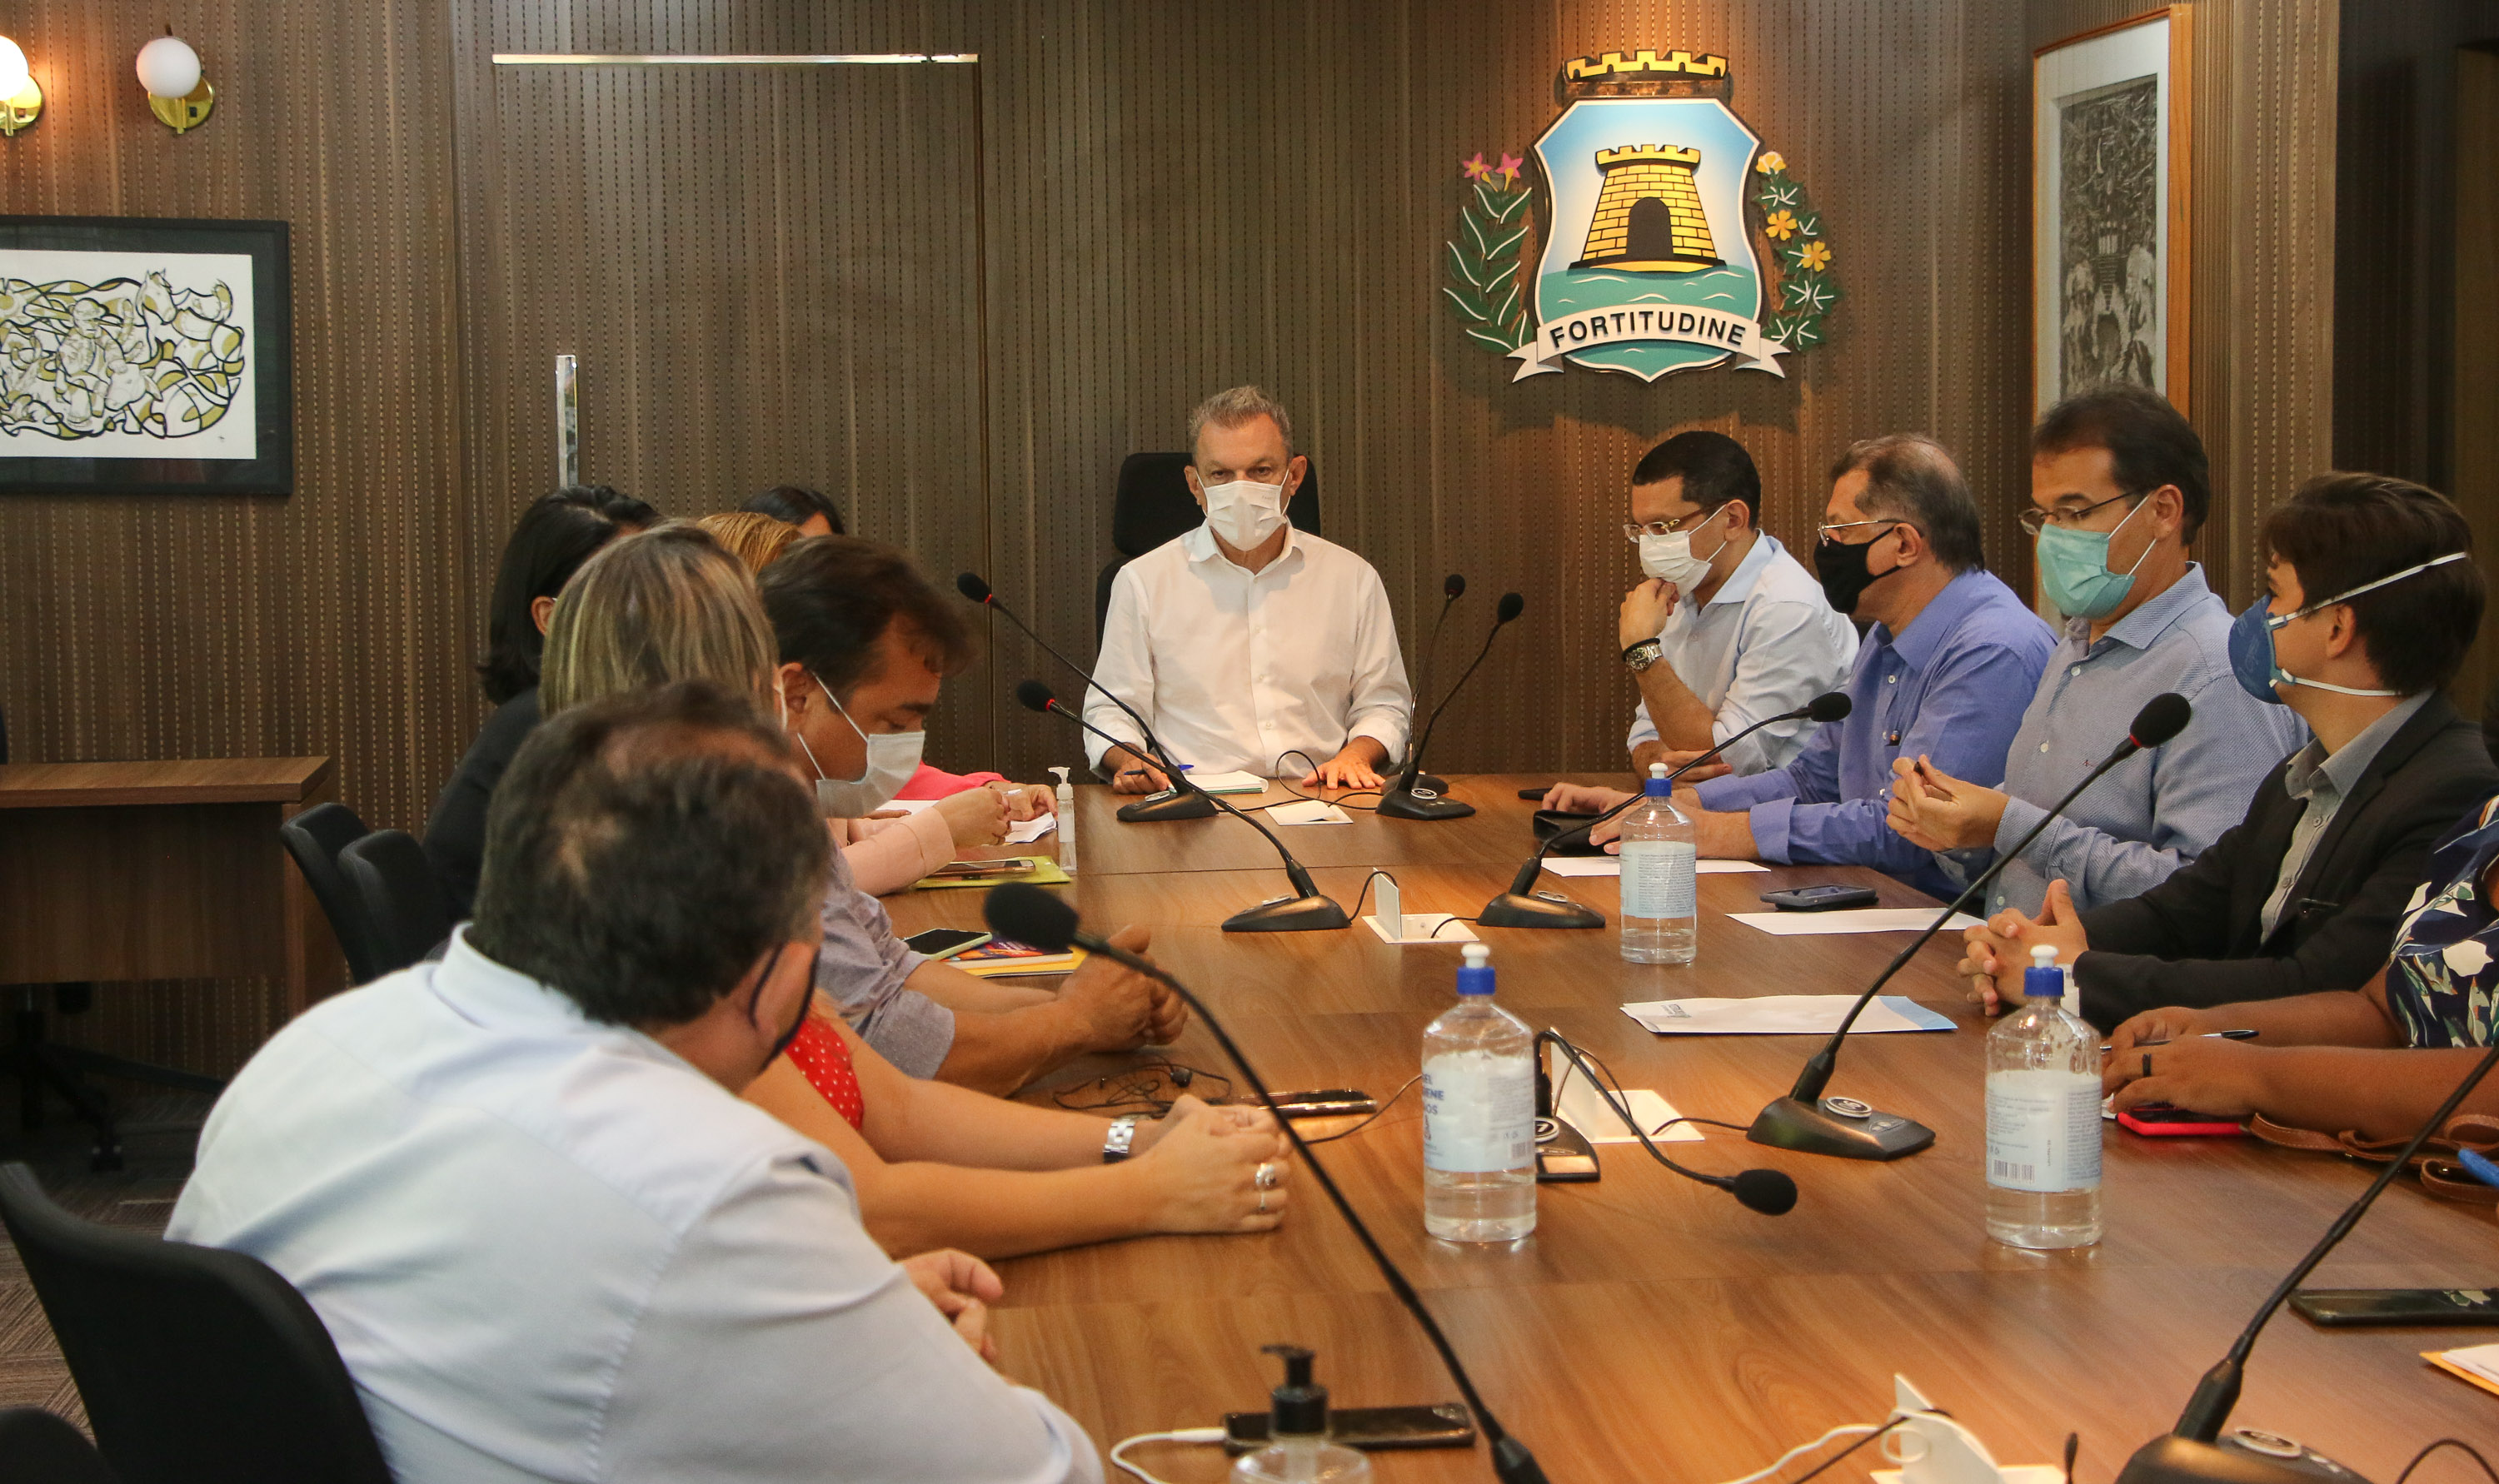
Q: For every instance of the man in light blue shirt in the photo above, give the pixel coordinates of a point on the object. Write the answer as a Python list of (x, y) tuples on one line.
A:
[(521, 1192), (1726, 629), (2119, 486), (1899, 545)]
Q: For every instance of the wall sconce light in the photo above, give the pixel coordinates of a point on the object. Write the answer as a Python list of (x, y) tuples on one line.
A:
[(22, 102), (177, 94)]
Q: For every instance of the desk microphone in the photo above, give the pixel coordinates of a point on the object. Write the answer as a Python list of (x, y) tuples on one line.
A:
[(1803, 1120), (1453, 588), (2187, 1454), (1521, 906), (1304, 912), (1768, 1191), (1030, 915), (1404, 801), (1185, 800)]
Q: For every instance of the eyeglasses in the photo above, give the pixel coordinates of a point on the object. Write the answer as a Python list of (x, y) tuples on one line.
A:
[(2034, 519), (1824, 533), (1632, 530)]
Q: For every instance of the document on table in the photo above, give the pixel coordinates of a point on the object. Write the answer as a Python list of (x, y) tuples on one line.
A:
[(1783, 1015), (2477, 1363), (1023, 833), (1612, 865), (1307, 811), (1582, 1108), (1862, 920), (1228, 783)]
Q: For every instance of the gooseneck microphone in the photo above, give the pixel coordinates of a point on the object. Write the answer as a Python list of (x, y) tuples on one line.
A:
[(1030, 915), (1768, 1191), (1307, 911), (1803, 1120), (1453, 588), (1406, 798), (2187, 1454), (1185, 800), (1523, 906)]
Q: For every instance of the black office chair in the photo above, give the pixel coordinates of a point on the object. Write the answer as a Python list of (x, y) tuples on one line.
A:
[(197, 1365), (37, 1447), (401, 898), (314, 838), (1152, 505)]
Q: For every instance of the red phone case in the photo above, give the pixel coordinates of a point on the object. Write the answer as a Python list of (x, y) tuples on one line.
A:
[(2201, 1125)]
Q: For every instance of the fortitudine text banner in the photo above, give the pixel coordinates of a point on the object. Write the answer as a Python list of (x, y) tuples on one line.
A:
[(1637, 324)]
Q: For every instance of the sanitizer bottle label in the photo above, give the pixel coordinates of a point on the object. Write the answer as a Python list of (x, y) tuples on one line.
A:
[(2043, 1131), (1479, 1113)]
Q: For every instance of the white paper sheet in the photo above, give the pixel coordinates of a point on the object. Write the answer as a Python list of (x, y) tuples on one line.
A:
[(1612, 865), (1583, 1109), (1229, 782), (1862, 920), (2482, 1360), (1782, 1014), (1306, 811), (1028, 830), (1420, 926)]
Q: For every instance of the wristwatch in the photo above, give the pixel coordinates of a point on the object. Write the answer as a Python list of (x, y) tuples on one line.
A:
[(1645, 653), (1115, 1143)]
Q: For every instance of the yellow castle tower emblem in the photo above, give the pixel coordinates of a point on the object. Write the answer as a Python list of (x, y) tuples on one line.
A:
[(1649, 217)]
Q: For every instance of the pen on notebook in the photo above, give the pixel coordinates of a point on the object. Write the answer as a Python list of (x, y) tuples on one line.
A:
[(2227, 1035)]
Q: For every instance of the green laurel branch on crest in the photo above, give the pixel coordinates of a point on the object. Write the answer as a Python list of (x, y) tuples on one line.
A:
[(1805, 290), (1483, 262)]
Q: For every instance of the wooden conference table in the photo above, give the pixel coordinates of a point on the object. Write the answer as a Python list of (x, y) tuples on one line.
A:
[(1652, 1328)]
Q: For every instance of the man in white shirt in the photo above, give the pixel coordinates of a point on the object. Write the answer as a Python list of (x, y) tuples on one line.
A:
[(1246, 642), (520, 1190), (1728, 628)]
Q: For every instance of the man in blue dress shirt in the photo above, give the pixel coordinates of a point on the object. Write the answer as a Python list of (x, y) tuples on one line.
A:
[(2119, 485), (1900, 548)]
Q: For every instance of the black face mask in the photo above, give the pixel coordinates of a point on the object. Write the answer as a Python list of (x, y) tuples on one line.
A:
[(1844, 573)]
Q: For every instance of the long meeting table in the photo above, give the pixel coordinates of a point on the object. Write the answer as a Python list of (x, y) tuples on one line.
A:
[(1651, 1328)]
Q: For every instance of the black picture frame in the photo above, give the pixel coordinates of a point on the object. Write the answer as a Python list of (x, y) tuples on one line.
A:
[(272, 472)]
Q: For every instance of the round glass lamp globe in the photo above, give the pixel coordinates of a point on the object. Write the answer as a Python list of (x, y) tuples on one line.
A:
[(168, 67), (13, 69)]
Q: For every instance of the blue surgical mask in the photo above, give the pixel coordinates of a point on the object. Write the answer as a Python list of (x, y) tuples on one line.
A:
[(2074, 570), (2252, 656)]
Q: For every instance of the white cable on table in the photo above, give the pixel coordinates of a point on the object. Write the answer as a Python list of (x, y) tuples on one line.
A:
[(1783, 1460), (1183, 1435)]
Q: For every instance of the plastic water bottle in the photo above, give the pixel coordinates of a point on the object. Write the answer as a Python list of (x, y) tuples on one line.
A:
[(1297, 1424), (1660, 861), (2043, 1118), (1065, 798), (1479, 1115)]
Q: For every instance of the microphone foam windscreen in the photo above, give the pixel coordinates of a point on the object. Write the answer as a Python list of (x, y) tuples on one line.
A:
[(1034, 696), (1830, 706), (1453, 585), (1768, 1191), (2161, 718), (970, 584), (1510, 606), (1027, 913)]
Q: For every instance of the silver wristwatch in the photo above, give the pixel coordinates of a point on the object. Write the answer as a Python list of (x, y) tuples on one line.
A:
[(1116, 1143), (1645, 653)]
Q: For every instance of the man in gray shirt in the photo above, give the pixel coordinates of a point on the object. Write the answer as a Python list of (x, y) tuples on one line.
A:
[(2119, 486)]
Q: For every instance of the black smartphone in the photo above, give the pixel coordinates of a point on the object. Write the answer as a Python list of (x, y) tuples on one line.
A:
[(1533, 795), (945, 942), (2398, 1305), (1324, 1103), (1821, 898), (1446, 1426)]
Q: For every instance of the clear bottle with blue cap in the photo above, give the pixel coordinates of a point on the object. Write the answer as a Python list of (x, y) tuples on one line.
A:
[(1479, 1114), (2043, 1118), (1660, 864)]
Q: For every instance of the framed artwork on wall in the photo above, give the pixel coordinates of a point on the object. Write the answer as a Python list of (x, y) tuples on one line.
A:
[(2109, 152), (144, 356)]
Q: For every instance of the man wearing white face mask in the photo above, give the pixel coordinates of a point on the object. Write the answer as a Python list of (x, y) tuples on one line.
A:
[(1728, 628), (1247, 641)]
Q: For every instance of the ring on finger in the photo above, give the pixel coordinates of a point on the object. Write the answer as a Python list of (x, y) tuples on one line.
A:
[(1262, 1202), (1267, 1177)]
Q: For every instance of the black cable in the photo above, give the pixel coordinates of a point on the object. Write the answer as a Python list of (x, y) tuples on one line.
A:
[(1311, 798), (2450, 1443), (1436, 932), (1139, 1087), (1365, 893), (1616, 1100), (1860, 1443), (1374, 1115)]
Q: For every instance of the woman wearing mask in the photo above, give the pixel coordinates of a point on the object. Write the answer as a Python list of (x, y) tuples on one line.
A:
[(932, 1162)]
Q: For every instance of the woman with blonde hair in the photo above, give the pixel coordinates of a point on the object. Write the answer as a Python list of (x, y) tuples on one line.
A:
[(753, 538), (932, 1163)]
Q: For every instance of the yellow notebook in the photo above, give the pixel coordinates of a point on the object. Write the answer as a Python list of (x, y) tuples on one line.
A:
[(1042, 871)]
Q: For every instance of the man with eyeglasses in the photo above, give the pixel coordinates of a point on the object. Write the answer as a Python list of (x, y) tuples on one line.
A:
[(1726, 628), (1899, 547), (2371, 601), (2119, 487)]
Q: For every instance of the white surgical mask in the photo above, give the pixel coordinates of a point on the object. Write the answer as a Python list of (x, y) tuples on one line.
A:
[(1245, 512), (1669, 558), (892, 756)]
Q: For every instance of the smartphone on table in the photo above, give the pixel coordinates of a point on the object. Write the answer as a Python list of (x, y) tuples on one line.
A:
[(945, 942), (2160, 1121), (2398, 1305), (1825, 898), (1446, 1426)]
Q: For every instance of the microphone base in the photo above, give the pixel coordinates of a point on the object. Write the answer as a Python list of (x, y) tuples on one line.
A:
[(1809, 1129), (1512, 909), (1432, 781), (2170, 1459), (1189, 805), (1421, 803), (1293, 914)]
